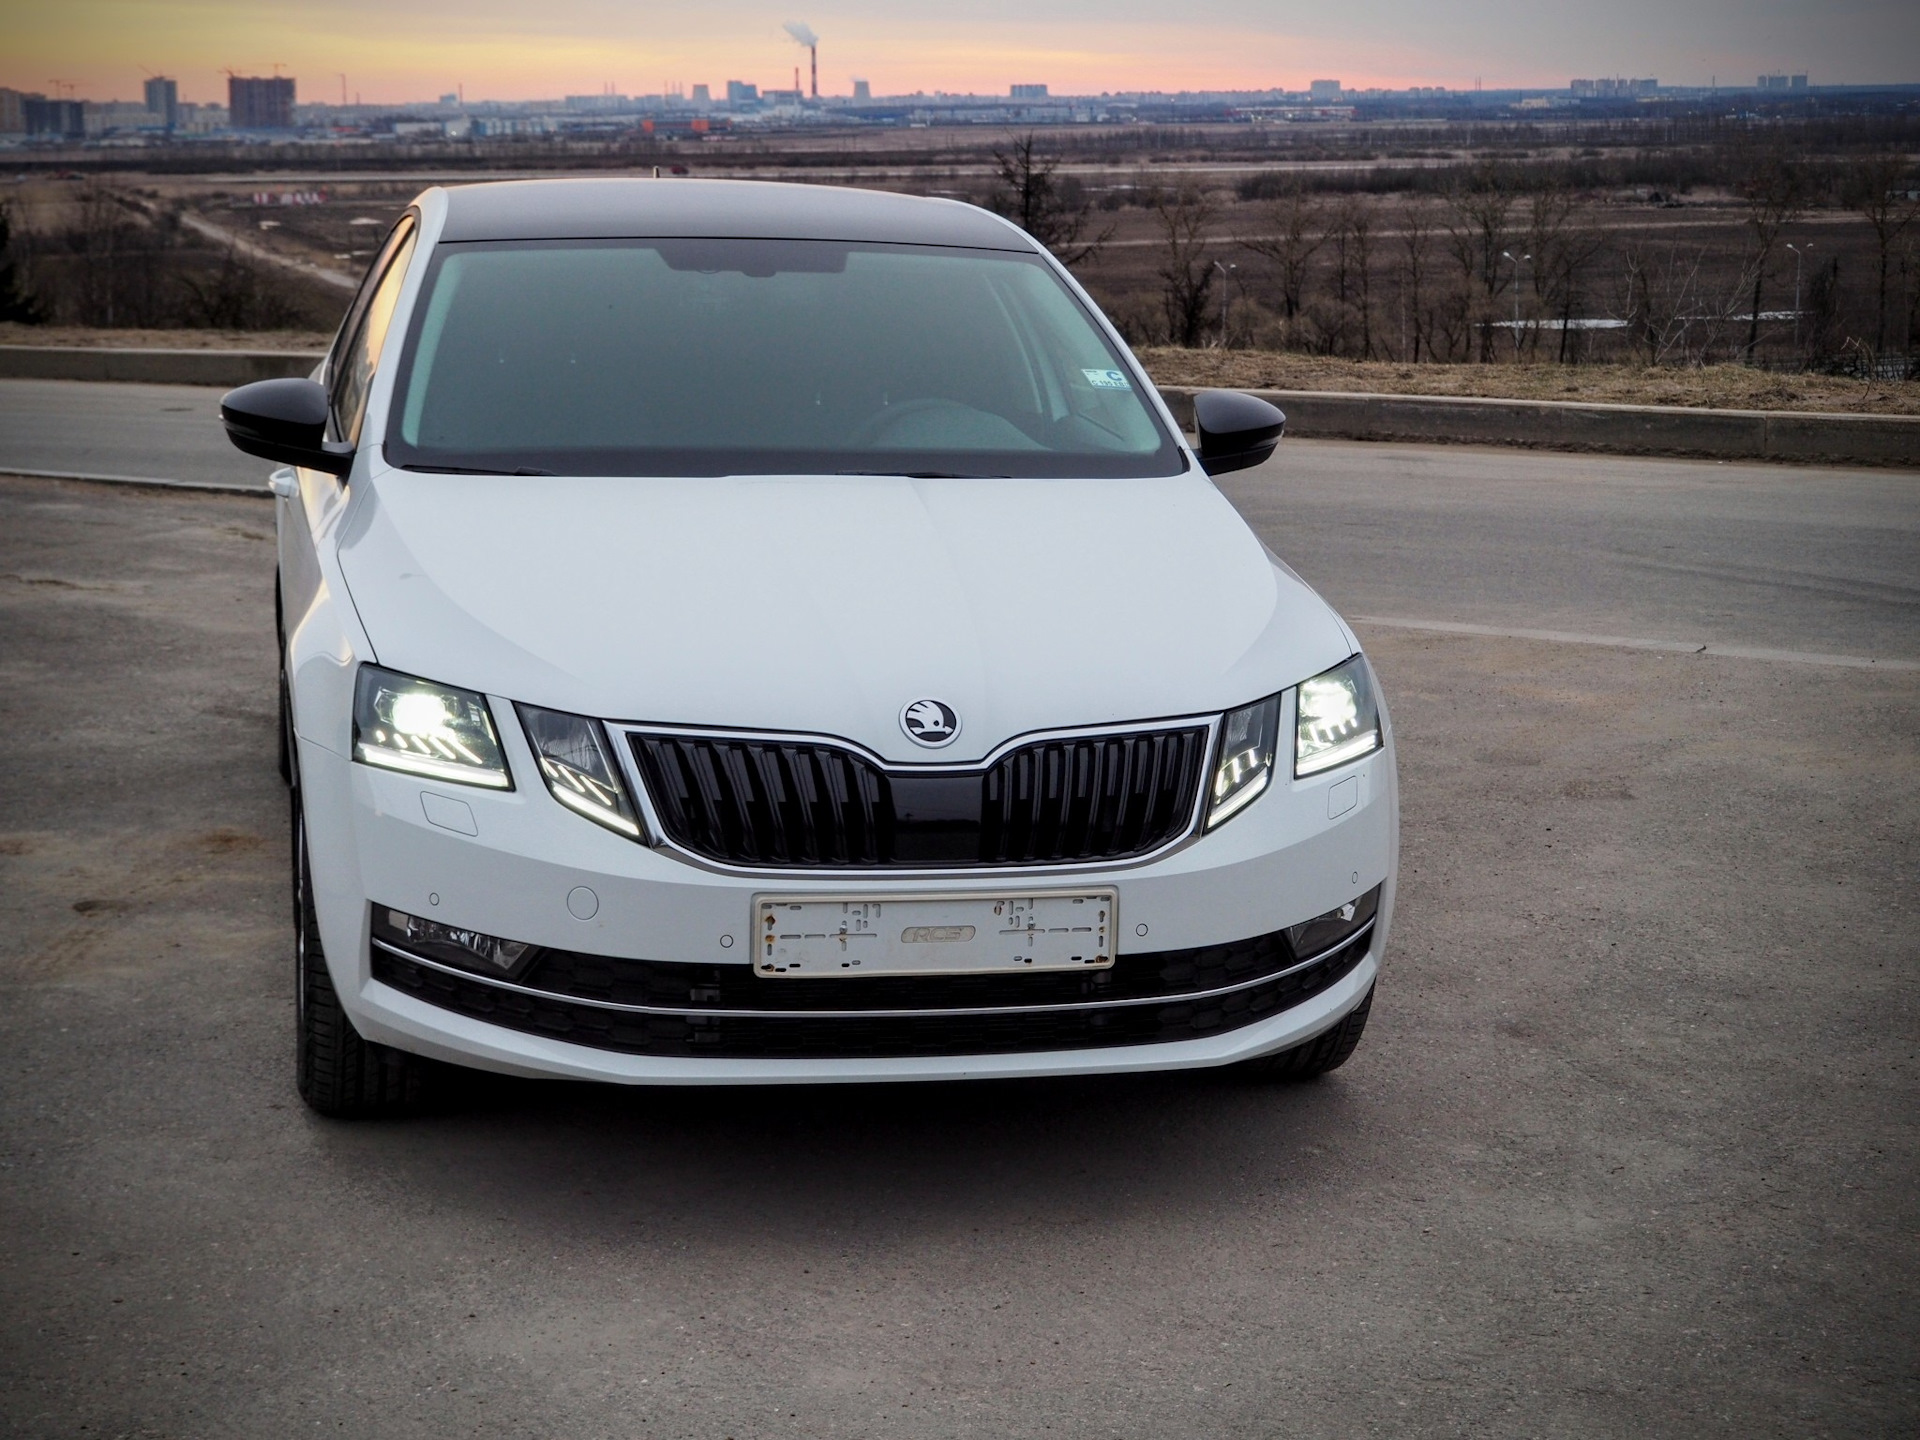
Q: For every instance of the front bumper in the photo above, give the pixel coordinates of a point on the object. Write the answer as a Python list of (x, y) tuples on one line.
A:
[(516, 864)]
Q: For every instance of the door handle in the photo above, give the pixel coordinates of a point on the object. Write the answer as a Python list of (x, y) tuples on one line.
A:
[(285, 484)]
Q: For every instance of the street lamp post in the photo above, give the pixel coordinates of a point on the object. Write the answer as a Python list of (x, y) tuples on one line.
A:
[(1226, 303), (1797, 249), (1508, 255)]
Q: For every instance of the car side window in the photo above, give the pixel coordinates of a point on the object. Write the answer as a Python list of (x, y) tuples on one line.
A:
[(359, 353)]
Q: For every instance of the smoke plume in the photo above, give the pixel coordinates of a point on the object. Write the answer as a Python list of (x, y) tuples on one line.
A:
[(801, 33)]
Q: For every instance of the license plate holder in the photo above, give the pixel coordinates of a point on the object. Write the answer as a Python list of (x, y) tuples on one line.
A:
[(800, 937)]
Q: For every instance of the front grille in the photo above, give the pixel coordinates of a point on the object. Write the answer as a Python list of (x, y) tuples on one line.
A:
[(708, 1002), (802, 804)]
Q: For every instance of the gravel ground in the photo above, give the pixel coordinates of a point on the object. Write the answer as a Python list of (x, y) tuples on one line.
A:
[(1630, 1148)]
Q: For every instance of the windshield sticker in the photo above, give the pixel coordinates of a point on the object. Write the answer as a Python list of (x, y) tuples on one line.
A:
[(1106, 379)]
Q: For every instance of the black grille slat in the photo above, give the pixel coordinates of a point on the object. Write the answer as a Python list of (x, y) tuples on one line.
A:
[(796, 804)]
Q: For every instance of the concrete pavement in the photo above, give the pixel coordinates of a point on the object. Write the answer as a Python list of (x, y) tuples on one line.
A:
[(1630, 1147)]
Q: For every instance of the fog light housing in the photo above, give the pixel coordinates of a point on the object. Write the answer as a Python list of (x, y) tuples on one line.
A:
[(1315, 937), (453, 945)]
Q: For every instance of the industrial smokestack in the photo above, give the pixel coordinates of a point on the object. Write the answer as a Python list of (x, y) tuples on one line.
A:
[(803, 35)]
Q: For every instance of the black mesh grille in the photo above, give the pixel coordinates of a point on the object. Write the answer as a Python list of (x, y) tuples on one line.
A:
[(786, 803), (811, 1035)]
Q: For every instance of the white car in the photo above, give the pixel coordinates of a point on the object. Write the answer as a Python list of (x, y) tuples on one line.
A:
[(739, 634)]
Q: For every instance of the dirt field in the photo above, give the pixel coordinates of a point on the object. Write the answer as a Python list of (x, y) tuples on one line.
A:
[(1723, 387)]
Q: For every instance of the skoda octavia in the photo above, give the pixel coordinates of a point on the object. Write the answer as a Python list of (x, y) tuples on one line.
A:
[(741, 633)]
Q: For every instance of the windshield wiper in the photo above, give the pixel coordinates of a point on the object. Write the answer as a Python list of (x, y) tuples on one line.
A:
[(927, 474), (469, 470)]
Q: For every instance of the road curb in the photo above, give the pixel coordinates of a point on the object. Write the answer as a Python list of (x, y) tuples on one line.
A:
[(153, 482), (1789, 435), (1798, 436), (225, 368)]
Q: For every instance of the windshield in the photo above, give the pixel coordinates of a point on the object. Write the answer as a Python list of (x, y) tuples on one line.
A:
[(728, 357)]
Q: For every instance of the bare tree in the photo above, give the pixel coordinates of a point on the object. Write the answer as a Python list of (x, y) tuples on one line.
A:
[(1775, 191), (1416, 250), (18, 304), (1186, 270), (1478, 235), (1356, 223), (1877, 188), (1563, 246), (1290, 247), (1049, 207), (1662, 299)]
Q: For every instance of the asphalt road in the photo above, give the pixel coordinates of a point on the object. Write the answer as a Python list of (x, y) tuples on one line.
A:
[(1631, 1147), (158, 432), (1697, 552)]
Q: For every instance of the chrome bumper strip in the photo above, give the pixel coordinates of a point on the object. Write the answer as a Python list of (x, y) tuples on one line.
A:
[(564, 998)]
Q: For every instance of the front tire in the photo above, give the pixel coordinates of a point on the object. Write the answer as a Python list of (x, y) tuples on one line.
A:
[(340, 1074), (1326, 1052)]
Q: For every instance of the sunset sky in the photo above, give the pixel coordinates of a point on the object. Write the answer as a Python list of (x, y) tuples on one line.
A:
[(395, 50)]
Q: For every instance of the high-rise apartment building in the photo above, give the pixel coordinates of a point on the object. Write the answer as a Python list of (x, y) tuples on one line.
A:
[(163, 100), (260, 102)]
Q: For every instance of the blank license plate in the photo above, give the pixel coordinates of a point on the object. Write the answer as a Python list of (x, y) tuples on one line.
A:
[(802, 936)]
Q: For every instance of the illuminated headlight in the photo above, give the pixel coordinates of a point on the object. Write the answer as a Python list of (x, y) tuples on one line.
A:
[(1246, 759), (1337, 720), (435, 731), (578, 768), (451, 944)]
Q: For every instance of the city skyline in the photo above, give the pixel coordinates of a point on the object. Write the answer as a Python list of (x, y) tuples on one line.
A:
[(407, 51)]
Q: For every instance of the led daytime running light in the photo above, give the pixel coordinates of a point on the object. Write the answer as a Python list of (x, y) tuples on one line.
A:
[(577, 764), (1247, 742)]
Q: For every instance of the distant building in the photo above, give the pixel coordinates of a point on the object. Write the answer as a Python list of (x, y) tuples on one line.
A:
[(602, 104), (1323, 91), (739, 92), (1615, 89), (65, 119), (1783, 82), (163, 100), (862, 90), (1027, 92), (702, 95), (1798, 82), (260, 102), (13, 117)]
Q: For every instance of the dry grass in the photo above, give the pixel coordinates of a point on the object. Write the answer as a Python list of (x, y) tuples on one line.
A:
[(80, 338), (1721, 387)]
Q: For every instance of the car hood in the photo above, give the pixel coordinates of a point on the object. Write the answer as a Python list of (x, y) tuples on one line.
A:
[(826, 604)]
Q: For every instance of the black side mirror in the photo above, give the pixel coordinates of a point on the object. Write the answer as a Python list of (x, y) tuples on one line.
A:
[(284, 420), (1236, 430)]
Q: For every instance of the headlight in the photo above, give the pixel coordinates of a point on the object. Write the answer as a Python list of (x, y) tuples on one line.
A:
[(1246, 759), (578, 767), (1337, 720), (403, 723)]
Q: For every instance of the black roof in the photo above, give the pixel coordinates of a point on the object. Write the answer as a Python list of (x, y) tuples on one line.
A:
[(756, 209)]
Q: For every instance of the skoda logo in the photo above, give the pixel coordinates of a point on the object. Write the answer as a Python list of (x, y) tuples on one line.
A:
[(930, 722)]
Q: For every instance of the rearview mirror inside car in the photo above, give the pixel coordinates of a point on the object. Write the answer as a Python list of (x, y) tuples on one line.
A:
[(1236, 430), (284, 420)]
